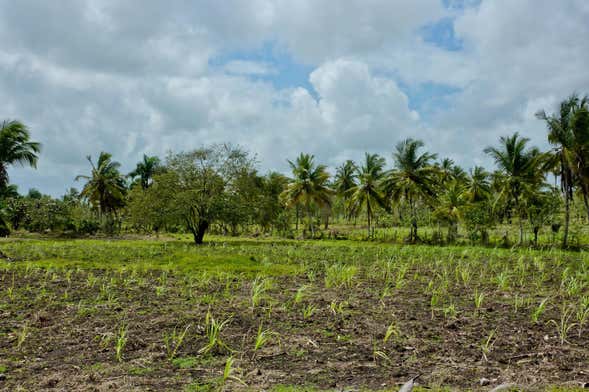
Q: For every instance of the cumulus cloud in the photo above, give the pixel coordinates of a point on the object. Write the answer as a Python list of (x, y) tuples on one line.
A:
[(92, 75)]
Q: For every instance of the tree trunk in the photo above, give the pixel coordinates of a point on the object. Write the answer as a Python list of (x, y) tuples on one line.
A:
[(310, 217), (198, 232), (521, 221), (567, 217), (413, 236), (536, 229), (368, 216), (586, 201)]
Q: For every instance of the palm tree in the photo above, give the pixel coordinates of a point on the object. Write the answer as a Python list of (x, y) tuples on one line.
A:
[(564, 158), (105, 187), (450, 205), (15, 147), (478, 186), (367, 193), (412, 179), (308, 186), (146, 169), (521, 171), (345, 179)]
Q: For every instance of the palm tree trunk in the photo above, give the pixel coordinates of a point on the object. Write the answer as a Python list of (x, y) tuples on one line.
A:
[(413, 237), (310, 217), (567, 217), (368, 215)]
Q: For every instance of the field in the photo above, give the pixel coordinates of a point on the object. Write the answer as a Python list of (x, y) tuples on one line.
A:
[(280, 315)]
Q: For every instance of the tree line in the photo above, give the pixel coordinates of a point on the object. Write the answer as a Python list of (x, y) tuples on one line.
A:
[(219, 188)]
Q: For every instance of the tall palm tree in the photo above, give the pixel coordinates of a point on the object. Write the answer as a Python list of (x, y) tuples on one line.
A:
[(346, 177), (521, 171), (564, 158), (16, 147), (105, 186), (146, 169), (308, 186), (449, 207), (367, 193), (412, 179), (478, 186)]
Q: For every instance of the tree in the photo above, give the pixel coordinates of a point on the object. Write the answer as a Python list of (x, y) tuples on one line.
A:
[(202, 185), (15, 147), (541, 208), (308, 186), (367, 193), (105, 187), (521, 171), (345, 179), (477, 186), (412, 179), (145, 170), (450, 207)]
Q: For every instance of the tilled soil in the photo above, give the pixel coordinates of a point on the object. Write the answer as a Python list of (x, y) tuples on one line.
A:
[(71, 327)]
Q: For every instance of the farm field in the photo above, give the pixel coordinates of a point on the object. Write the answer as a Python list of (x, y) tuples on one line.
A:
[(282, 315)]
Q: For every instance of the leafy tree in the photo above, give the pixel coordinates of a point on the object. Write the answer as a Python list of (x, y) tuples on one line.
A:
[(202, 185), (105, 187), (146, 169), (34, 193), (541, 207), (367, 194), (412, 179), (309, 186), (521, 171), (15, 147), (271, 211)]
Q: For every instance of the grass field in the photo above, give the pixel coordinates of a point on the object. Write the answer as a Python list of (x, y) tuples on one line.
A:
[(279, 315)]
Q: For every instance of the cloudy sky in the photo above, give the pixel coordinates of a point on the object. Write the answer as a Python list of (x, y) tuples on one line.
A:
[(334, 78)]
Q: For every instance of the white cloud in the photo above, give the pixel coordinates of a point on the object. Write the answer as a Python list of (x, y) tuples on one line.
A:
[(92, 75)]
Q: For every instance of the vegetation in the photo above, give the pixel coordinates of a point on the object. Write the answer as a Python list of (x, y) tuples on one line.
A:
[(218, 189), (169, 315), (355, 296)]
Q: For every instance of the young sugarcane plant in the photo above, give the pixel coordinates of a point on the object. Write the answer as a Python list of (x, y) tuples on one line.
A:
[(213, 330), (478, 301), (487, 345), (564, 325), (174, 340), (121, 342)]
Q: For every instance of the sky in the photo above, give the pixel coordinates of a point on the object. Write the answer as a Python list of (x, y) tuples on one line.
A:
[(334, 78)]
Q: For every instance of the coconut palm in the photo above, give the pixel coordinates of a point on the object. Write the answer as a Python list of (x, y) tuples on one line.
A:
[(105, 186), (308, 187), (367, 194), (520, 169), (478, 186), (449, 207), (16, 148), (412, 179), (567, 158), (345, 179), (145, 170)]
